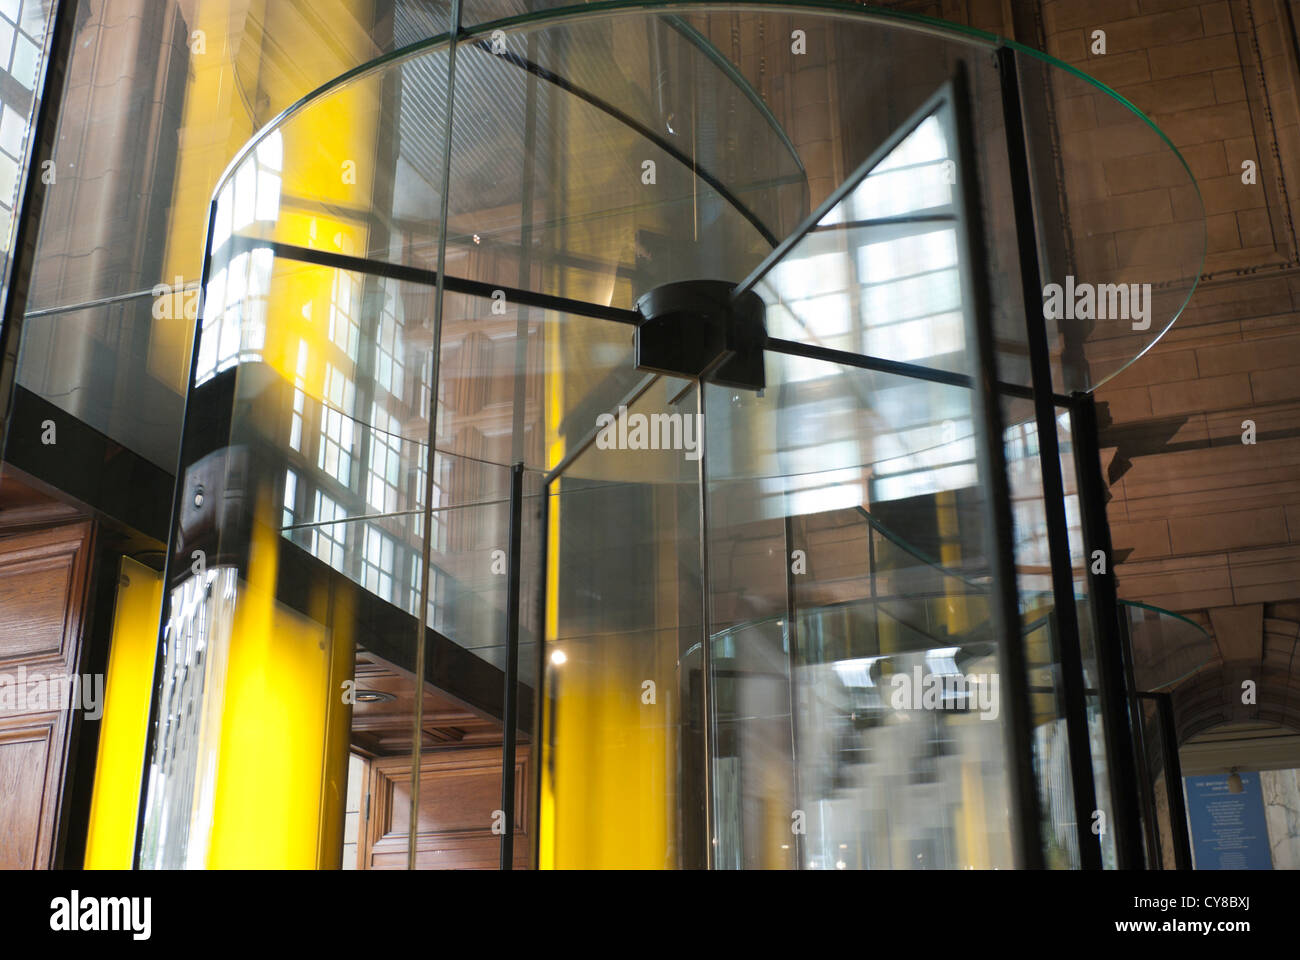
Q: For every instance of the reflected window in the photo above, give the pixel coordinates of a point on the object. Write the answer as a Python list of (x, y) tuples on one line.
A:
[(22, 33), (299, 399), (412, 607), (253, 193), (234, 314), (337, 436), (879, 273), (344, 295), (329, 535), (388, 365), (290, 498), (377, 563), (385, 461)]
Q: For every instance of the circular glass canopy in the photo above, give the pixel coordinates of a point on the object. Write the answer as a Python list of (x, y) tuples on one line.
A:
[(546, 169)]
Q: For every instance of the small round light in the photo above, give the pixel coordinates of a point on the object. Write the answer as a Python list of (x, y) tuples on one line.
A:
[(558, 657)]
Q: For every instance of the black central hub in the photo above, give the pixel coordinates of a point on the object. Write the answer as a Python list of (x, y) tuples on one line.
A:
[(694, 328)]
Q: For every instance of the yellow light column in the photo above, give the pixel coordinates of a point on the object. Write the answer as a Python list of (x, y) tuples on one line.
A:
[(110, 839)]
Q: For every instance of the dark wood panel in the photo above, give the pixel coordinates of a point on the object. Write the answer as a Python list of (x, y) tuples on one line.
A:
[(42, 591), (33, 591), (44, 575), (459, 791), (30, 770)]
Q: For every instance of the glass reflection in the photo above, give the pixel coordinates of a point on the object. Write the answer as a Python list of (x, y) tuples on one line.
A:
[(878, 274), (858, 709)]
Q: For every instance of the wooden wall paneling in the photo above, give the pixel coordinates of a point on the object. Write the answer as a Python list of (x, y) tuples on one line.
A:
[(30, 771), (44, 578), (459, 790)]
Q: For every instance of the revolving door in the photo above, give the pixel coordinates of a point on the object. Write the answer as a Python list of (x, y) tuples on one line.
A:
[(650, 434)]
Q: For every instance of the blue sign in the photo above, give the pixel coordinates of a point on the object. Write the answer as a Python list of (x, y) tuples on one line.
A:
[(1228, 829)]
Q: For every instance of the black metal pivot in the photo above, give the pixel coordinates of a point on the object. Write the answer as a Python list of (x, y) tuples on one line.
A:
[(693, 327)]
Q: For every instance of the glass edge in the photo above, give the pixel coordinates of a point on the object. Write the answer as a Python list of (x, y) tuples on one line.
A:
[(1200, 200), (1167, 613), (715, 56), (579, 11)]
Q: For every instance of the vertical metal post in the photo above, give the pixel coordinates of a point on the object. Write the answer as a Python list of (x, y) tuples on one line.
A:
[(510, 698), (519, 427), (871, 565), (706, 647), (528, 175), (1049, 457), (792, 642), (539, 683), (22, 261), (1141, 748), (1174, 784), (1146, 781), (431, 452), (991, 454), (1117, 704)]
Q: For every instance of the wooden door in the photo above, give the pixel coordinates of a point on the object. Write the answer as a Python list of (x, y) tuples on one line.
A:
[(43, 585), (460, 789)]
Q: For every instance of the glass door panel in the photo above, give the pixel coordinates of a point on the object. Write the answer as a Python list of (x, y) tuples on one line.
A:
[(857, 699), (623, 723)]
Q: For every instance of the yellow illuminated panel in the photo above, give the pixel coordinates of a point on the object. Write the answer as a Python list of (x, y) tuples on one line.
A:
[(613, 792), (283, 761), (110, 839)]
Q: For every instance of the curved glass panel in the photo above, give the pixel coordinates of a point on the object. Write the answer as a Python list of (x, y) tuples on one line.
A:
[(1121, 222), (577, 153), (1166, 647), (856, 679)]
